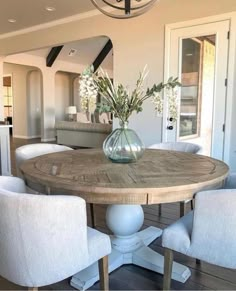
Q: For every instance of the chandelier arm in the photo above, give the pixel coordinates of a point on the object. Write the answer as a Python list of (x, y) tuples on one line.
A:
[(127, 6), (150, 3), (131, 8), (125, 16), (145, 8), (111, 5)]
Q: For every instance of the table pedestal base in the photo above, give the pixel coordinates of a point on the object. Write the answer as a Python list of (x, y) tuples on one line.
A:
[(129, 247)]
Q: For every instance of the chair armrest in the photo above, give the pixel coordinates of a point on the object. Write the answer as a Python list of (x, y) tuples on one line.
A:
[(178, 235)]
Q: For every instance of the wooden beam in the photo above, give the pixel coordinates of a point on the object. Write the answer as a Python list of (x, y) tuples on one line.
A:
[(54, 52), (102, 55)]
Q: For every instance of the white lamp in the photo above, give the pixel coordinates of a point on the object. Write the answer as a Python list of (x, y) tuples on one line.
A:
[(71, 110)]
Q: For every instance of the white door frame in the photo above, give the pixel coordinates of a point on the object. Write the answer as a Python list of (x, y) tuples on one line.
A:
[(231, 71)]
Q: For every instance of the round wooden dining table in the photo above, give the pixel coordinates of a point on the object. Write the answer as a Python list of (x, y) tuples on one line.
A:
[(160, 176)]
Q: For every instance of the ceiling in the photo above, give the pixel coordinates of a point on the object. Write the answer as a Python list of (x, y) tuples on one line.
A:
[(86, 52), (29, 13)]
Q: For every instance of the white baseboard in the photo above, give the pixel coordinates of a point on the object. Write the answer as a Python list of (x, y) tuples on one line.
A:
[(35, 136), (26, 137), (48, 139)]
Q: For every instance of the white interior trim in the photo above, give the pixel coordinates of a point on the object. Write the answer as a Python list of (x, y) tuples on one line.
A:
[(26, 137), (47, 139), (231, 69), (199, 21), (230, 91)]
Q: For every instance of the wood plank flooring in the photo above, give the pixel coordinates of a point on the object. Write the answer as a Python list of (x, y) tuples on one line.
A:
[(129, 277)]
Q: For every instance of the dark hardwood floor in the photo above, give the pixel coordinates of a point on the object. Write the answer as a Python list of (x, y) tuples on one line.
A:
[(129, 277)]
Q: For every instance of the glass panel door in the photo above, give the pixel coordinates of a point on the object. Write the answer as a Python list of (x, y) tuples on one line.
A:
[(198, 55), (197, 92)]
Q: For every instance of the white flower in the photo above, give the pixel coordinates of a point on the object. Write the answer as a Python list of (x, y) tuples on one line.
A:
[(172, 101), (87, 90), (158, 101)]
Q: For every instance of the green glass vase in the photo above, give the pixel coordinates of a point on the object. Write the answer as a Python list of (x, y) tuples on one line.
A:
[(123, 145)]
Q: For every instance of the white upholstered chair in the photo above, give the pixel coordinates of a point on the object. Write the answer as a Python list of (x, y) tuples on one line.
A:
[(230, 182), (181, 147), (177, 146), (207, 233), (45, 239), (30, 151)]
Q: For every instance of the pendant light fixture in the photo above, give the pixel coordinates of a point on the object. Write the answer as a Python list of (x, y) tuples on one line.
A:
[(123, 9)]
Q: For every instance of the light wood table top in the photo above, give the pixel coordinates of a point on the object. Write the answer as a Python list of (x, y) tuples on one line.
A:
[(160, 176)]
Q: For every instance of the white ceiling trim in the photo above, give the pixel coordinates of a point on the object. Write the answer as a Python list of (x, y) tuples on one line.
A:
[(76, 17)]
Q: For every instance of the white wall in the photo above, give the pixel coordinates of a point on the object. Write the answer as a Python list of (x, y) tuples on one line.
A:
[(48, 87), (76, 99), (136, 42), (62, 94), (34, 100), (20, 98)]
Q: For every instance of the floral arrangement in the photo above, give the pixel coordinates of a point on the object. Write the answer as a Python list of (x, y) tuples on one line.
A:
[(120, 101)]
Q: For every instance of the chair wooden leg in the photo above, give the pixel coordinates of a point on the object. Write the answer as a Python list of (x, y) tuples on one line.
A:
[(168, 262), (198, 262), (192, 204), (103, 273), (92, 212), (33, 289), (182, 208), (159, 209)]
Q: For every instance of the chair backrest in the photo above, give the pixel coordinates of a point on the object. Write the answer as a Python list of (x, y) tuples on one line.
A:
[(13, 184), (177, 146), (230, 182), (43, 239), (213, 236), (30, 151)]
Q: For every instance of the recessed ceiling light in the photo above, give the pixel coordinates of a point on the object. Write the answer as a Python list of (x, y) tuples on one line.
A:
[(72, 52), (50, 8), (11, 20)]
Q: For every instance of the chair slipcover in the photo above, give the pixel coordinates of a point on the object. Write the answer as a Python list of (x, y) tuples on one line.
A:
[(13, 184), (207, 233), (30, 151), (45, 239), (177, 146), (230, 182), (181, 147)]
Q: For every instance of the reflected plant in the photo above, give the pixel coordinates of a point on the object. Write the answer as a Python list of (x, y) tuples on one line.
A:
[(87, 90)]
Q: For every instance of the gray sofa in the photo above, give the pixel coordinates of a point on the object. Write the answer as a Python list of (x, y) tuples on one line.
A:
[(74, 133)]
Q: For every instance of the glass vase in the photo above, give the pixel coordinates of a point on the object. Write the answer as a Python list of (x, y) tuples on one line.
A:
[(123, 145)]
